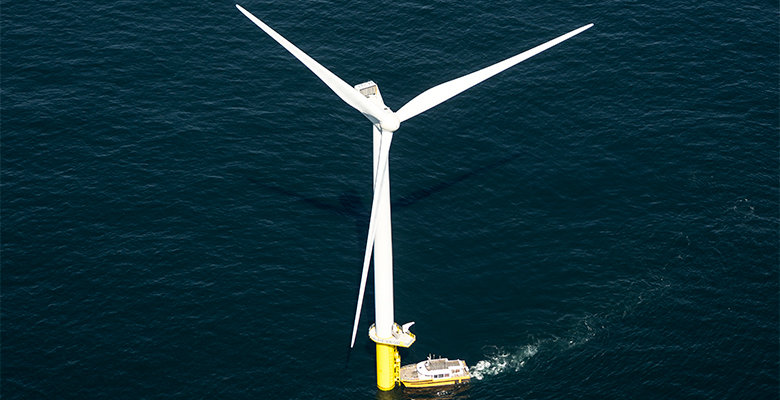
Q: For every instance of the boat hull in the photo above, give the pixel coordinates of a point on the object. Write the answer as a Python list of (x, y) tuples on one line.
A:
[(434, 382)]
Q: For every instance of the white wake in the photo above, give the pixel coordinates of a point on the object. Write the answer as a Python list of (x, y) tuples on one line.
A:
[(503, 361)]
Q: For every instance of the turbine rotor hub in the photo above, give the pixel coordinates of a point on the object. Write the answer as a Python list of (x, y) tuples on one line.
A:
[(390, 123)]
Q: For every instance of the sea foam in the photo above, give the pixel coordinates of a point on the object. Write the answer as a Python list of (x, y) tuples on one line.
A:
[(502, 361)]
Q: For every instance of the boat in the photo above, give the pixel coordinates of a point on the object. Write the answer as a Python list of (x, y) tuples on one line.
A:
[(434, 372)]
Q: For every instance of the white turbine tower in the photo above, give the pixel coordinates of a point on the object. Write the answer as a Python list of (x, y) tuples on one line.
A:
[(367, 99)]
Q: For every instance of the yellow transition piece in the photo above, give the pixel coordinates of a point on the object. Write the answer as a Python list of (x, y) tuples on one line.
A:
[(386, 368)]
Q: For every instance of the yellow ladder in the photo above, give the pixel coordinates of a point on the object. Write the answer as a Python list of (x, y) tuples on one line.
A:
[(397, 368)]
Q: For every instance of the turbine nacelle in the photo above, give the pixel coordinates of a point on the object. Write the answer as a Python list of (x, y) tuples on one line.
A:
[(387, 120)]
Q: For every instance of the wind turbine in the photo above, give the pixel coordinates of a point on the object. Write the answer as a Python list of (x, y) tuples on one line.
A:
[(367, 99)]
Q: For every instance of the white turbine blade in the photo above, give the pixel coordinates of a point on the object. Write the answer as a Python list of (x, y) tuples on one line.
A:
[(441, 93), (384, 150), (341, 88)]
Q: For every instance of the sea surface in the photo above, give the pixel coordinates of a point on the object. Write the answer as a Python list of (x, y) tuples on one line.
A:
[(184, 205)]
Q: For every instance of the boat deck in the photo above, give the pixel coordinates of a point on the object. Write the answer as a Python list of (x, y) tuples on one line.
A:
[(443, 363), (409, 372)]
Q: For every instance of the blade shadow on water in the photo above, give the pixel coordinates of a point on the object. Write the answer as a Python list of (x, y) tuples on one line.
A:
[(352, 206), (411, 198), (349, 205)]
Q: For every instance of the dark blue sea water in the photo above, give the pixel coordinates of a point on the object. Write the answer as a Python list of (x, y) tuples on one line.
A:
[(184, 205)]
